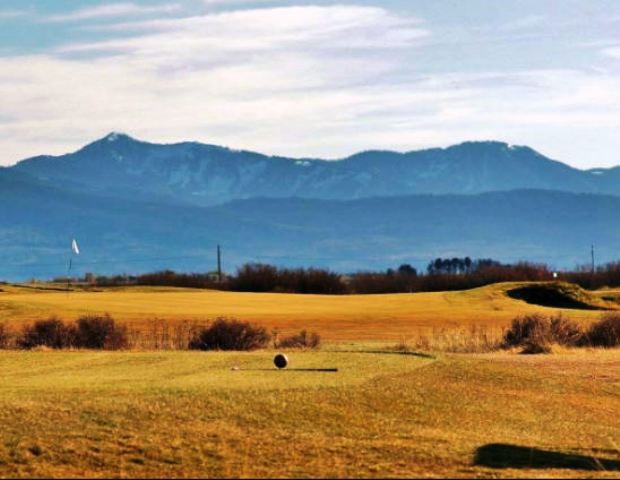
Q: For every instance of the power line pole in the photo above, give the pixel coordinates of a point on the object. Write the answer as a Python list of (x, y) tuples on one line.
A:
[(219, 264), (592, 255)]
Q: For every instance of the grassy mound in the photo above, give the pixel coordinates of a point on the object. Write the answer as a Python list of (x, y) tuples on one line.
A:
[(558, 295)]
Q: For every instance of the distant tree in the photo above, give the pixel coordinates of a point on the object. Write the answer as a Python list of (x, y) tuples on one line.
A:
[(486, 263), (256, 277), (467, 263), (430, 268), (438, 265), (455, 265), (408, 270)]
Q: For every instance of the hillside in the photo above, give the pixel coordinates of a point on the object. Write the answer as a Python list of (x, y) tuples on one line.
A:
[(204, 175), (336, 317), (123, 235)]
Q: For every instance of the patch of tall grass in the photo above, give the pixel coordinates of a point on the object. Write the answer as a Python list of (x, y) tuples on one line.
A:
[(530, 333), (453, 340)]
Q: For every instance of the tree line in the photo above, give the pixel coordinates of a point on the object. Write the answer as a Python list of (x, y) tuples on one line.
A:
[(441, 274)]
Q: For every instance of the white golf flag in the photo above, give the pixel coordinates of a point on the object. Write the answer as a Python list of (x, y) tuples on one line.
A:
[(74, 247)]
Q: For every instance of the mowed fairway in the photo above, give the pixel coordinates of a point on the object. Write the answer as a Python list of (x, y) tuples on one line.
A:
[(177, 414), (336, 318)]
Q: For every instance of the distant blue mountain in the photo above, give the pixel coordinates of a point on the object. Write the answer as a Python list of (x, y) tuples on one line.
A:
[(205, 175), (137, 207), (120, 235)]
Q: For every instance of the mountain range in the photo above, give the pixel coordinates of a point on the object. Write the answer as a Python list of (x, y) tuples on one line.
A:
[(207, 175), (136, 206)]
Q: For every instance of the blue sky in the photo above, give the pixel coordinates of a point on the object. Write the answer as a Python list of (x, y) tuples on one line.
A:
[(314, 78)]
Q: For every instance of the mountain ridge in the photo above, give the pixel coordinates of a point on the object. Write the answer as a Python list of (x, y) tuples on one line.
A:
[(204, 174), (132, 206)]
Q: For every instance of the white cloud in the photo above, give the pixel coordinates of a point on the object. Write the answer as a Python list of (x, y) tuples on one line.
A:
[(11, 14), (306, 81), (527, 22), (613, 52), (111, 10), (266, 28), (233, 2)]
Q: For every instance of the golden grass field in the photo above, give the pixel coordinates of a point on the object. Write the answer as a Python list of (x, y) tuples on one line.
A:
[(336, 318), (384, 413), (176, 414)]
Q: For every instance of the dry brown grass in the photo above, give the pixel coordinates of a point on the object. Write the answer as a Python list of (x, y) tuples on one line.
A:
[(177, 414), (472, 339), (336, 318)]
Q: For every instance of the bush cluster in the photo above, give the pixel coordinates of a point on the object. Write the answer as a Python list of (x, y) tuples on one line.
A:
[(101, 332), (536, 333), (542, 330), (230, 334), (605, 332), (91, 331)]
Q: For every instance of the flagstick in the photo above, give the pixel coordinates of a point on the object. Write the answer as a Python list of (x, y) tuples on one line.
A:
[(69, 274), (75, 250)]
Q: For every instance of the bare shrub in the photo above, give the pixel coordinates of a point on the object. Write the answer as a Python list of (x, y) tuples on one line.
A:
[(118, 339), (230, 334), (605, 332), (538, 330), (301, 340), (566, 332), (5, 336), (89, 331), (525, 329), (184, 332), (100, 332), (534, 347), (51, 333)]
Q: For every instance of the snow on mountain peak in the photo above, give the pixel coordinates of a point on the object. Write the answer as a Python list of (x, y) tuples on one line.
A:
[(114, 136)]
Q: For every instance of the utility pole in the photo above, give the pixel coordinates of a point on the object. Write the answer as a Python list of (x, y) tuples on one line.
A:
[(219, 264), (592, 254)]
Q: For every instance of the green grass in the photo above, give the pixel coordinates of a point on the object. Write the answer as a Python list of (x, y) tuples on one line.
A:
[(188, 414), (201, 373)]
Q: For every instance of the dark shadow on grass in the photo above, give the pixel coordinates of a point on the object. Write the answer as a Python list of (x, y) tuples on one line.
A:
[(551, 295), (500, 455), (334, 370)]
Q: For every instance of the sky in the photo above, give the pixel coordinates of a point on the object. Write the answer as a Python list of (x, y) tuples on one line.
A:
[(313, 78)]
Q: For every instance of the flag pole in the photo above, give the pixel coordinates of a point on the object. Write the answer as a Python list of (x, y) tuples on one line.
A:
[(75, 250), (69, 271)]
